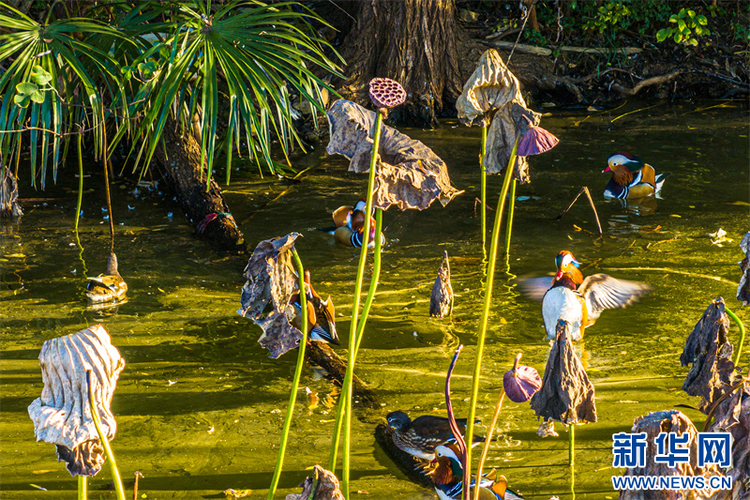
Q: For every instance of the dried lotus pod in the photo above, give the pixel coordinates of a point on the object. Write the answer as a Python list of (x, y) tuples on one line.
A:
[(521, 382), (386, 93)]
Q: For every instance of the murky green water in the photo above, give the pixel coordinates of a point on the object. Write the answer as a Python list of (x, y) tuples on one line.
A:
[(200, 405)]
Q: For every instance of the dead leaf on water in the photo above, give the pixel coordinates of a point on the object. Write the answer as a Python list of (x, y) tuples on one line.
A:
[(43, 471), (232, 493), (675, 215), (37, 487)]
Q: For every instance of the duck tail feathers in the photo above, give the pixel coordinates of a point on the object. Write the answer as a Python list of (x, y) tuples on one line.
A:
[(659, 180)]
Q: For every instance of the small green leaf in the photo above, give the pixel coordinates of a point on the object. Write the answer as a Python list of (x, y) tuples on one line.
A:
[(40, 75), (693, 41), (22, 100), (702, 20), (27, 88), (681, 24), (673, 18), (677, 37), (662, 34)]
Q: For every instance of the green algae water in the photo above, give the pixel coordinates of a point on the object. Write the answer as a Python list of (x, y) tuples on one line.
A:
[(200, 406)]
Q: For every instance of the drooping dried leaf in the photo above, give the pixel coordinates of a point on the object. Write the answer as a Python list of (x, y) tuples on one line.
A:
[(536, 141), (322, 486), (270, 277), (441, 300), (667, 421), (740, 471), (521, 382), (743, 290), (279, 335), (567, 394), (492, 96), (708, 350), (9, 206), (409, 174), (62, 415)]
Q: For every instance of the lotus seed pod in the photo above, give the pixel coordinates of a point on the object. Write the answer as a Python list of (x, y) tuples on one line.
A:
[(386, 93), (521, 382)]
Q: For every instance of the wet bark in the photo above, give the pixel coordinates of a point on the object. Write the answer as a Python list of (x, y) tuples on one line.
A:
[(418, 43), (179, 161), (323, 355)]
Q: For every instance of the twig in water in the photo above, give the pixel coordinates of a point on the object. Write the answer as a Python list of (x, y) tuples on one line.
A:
[(583, 190)]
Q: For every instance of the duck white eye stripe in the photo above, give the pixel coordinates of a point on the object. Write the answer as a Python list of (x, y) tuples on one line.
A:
[(567, 259)]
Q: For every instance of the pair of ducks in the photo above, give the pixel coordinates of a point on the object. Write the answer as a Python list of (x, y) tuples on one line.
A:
[(349, 225), (429, 437)]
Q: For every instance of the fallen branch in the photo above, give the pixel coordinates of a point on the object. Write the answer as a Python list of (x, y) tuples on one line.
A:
[(321, 354), (583, 190), (656, 80)]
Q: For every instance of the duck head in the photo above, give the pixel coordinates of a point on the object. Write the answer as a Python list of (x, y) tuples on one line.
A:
[(567, 265), (398, 420), (449, 469), (623, 166)]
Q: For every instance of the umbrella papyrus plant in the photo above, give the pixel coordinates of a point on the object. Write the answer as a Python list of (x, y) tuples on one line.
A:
[(271, 281), (441, 300), (409, 174), (62, 415), (653, 424)]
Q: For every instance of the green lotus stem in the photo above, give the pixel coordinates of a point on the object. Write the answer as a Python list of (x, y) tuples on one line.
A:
[(80, 181), (488, 440), (343, 415), (488, 301), (571, 444), (82, 488), (511, 211), (297, 374), (119, 490), (483, 210), (373, 281), (742, 334)]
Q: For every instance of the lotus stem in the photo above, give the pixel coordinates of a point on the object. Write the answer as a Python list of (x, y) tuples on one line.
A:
[(511, 211), (571, 444), (80, 180), (488, 300), (297, 374), (119, 490), (483, 210), (460, 441), (488, 438), (344, 410), (376, 264), (742, 334), (82, 488), (106, 186)]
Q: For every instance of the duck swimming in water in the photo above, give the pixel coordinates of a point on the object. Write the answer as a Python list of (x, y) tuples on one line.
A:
[(632, 178), (448, 479), (350, 226), (321, 315), (109, 286)]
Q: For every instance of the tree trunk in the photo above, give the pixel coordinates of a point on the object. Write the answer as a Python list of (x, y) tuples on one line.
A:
[(418, 43), (180, 164)]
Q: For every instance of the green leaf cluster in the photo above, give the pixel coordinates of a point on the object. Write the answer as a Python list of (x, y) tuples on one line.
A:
[(689, 27)]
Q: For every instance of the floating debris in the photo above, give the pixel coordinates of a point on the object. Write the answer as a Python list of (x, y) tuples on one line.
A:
[(441, 300), (743, 290), (322, 486)]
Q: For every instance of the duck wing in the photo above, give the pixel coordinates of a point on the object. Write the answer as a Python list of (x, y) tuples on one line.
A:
[(535, 288), (602, 291)]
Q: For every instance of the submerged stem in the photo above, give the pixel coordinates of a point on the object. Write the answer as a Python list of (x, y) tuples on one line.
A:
[(488, 301), (119, 490), (511, 211), (297, 374), (742, 334)]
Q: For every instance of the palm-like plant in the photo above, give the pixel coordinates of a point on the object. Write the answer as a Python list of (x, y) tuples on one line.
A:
[(56, 80), (238, 60)]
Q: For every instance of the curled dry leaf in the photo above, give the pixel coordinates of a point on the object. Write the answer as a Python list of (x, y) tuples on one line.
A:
[(270, 277), (667, 421), (567, 394), (743, 290), (521, 382), (322, 486), (492, 97), (62, 415), (441, 300), (409, 174), (279, 335), (708, 350)]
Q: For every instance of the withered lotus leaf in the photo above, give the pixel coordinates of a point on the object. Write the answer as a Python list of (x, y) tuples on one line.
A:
[(279, 335), (270, 277), (521, 382), (567, 394), (743, 290), (492, 97), (708, 350), (409, 174), (441, 300), (653, 424), (62, 415), (536, 141), (386, 93)]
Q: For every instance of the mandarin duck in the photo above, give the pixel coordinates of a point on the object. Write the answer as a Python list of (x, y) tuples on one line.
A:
[(632, 178), (448, 479), (420, 436), (109, 286), (321, 314), (350, 226), (577, 300)]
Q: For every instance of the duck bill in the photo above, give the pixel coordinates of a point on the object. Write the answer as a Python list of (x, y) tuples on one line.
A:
[(559, 275), (607, 169)]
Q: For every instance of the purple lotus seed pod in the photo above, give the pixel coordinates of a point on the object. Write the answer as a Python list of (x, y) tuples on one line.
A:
[(536, 141), (386, 93), (521, 382)]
